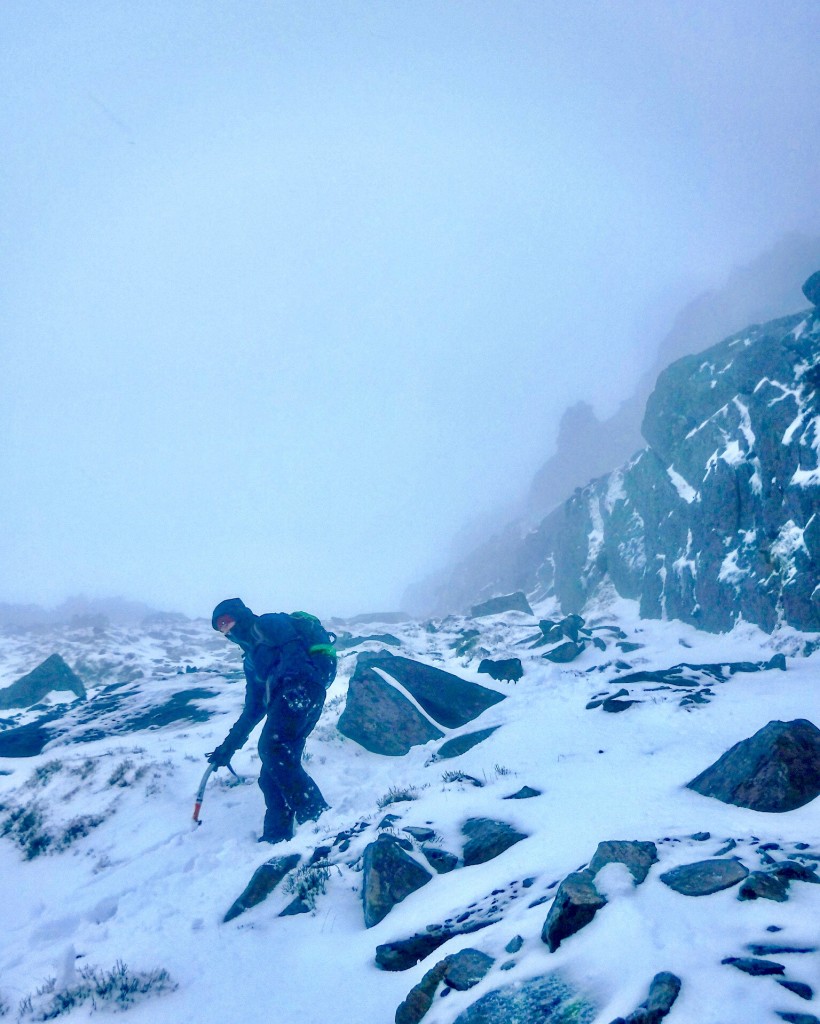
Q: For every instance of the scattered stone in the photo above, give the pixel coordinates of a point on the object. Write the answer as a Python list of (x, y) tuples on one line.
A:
[(600, 700), (727, 848), (516, 602), (466, 968), (538, 999), (637, 856), (777, 769), (705, 877), (387, 821), (502, 669), (401, 954), (576, 903), (420, 834), (762, 886), (461, 744), (514, 945), (52, 675), (441, 860), (799, 988), (487, 839), (797, 1018), (389, 876), (701, 837), (565, 652), (663, 991), (794, 871), (764, 949), (263, 881), (525, 793), (614, 706), (296, 906), (750, 965)]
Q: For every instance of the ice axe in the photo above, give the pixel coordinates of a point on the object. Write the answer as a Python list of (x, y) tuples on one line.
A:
[(200, 793)]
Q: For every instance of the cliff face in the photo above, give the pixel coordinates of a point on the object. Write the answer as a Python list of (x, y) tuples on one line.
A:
[(719, 517)]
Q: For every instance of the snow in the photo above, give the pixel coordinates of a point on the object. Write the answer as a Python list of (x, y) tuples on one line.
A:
[(682, 486), (144, 888)]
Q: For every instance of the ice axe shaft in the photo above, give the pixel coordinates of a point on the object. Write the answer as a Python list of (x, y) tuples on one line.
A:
[(200, 793)]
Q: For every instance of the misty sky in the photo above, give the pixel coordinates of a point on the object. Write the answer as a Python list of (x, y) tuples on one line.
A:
[(289, 291)]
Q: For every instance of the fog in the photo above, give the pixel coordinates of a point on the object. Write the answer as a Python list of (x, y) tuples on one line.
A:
[(290, 291)]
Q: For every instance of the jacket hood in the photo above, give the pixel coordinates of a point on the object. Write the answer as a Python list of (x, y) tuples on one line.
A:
[(234, 607)]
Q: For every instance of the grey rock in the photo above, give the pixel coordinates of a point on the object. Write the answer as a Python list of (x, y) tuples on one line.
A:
[(797, 1018), (461, 744), (637, 856), (576, 903), (663, 991), (525, 793), (777, 769), (466, 968), (760, 885), (614, 706), (421, 834), (401, 954), (793, 871), (380, 718), (441, 860), (263, 881), (507, 603), (296, 906), (811, 288), (52, 675), (487, 839), (502, 669), (420, 998), (389, 876), (799, 988), (514, 945), (705, 877), (752, 965), (565, 652), (539, 999)]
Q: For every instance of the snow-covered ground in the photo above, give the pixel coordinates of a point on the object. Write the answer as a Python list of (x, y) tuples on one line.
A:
[(126, 878)]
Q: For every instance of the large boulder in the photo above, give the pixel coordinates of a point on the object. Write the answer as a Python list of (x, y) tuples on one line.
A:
[(460, 971), (777, 769), (538, 999), (383, 720), (389, 876), (51, 676), (576, 903), (380, 718)]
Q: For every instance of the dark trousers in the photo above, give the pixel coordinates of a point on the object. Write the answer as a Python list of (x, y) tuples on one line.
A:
[(290, 793)]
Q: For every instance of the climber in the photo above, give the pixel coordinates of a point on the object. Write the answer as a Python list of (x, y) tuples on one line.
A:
[(289, 662)]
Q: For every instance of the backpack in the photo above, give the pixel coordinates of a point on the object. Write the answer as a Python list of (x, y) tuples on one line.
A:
[(318, 641)]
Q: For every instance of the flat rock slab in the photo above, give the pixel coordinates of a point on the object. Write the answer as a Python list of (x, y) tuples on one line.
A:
[(487, 839), (797, 1018), (539, 999), (263, 881), (751, 965), (800, 988), (466, 968), (637, 856), (705, 877), (777, 769), (389, 876), (461, 744), (576, 903), (442, 860)]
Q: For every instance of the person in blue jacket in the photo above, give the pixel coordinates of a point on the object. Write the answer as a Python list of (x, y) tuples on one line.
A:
[(287, 677)]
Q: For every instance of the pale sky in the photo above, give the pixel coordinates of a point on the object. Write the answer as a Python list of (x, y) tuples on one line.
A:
[(289, 291)]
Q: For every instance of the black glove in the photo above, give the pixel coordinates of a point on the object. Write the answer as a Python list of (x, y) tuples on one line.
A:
[(220, 757)]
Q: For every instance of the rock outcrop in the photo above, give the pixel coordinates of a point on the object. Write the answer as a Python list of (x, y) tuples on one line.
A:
[(777, 769), (51, 676), (379, 717)]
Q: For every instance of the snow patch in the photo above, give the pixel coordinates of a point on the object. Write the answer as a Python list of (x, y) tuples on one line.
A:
[(683, 487)]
